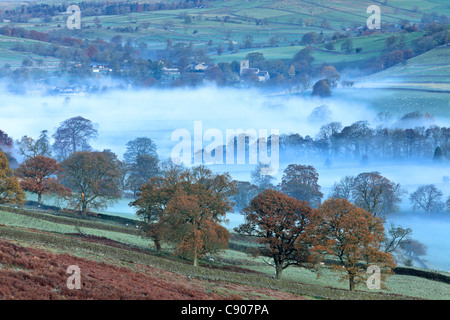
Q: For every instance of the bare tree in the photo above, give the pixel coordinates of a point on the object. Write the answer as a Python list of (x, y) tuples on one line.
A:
[(427, 198), (137, 147), (395, 237), (343, 189), (29, 148), (376, 194), (73, 135)]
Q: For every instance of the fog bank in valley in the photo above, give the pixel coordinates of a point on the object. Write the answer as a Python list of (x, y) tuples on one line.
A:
[(122, 115)]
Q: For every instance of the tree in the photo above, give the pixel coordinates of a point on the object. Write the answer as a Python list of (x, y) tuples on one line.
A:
[(262, 181), (414, 248), (331, 74), (321, 88), (6, 144), (186, 209), (151, 204), (247, 42), (310, 38), (376, 194), (347, 46), (351, 236), (427, 198), (10, 190), (301, 183), (343, 189), (73, 135), (137, 147), (246, 191), (93, 177), (38, 175), (145, 167), (29, 147), (395, 237), (281, 224)]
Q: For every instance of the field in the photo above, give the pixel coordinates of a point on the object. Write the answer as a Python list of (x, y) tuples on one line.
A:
[(428, 71), (39, 246), (225, 21)]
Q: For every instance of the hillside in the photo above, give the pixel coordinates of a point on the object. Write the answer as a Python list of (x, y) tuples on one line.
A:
[(39, 246), (428, 71)]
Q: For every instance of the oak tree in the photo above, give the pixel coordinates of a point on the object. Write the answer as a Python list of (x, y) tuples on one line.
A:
[(376, 194), (93, 177), (352, 237), (186, 208), (10, 190), (73, 135), (38, 175), (301, 183), (281, 224)]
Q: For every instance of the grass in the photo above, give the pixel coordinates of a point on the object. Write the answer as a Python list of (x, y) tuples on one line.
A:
[(17, 220), (58, 238), (396, 284), (430, 70)]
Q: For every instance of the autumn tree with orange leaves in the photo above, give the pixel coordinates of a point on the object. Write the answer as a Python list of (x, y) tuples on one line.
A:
[(38, 175), (352, 237), (151, 203), (10, 190), (281, 224), (186, 209)]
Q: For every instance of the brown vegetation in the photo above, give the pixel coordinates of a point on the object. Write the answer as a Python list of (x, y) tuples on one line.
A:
[(29, 273)]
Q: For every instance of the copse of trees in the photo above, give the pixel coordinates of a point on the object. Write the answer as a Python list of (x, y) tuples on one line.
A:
[(415, 137), (371, 191)]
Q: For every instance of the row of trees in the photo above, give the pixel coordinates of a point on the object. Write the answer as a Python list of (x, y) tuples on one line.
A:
[(185, 208), (72, 171), (412, 137)]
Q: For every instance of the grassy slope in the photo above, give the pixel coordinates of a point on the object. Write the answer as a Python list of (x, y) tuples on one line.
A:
[(60, 237), (423, 84), (428, 71)]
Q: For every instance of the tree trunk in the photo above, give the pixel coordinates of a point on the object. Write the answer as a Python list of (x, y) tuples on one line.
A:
[(157, 245), (195, 256), (39, 197), (83, 208), (83, 205), (351, 282), (278, 270)]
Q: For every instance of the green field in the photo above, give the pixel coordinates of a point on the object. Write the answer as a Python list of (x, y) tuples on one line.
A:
[(225, 21), (429, 71)]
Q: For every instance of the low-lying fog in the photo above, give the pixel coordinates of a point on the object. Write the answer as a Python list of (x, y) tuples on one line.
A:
[(121, 116)]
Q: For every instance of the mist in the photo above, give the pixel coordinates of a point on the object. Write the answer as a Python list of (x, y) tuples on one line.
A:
[(122, 115)]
